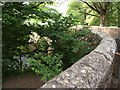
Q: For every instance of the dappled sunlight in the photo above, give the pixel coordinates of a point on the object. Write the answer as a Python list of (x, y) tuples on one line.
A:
[(46, 38)]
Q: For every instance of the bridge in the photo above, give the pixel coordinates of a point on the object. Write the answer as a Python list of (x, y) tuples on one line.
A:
[(98, 69)]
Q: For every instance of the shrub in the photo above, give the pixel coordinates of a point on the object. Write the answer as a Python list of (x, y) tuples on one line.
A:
[(57, 48), (46, 66)]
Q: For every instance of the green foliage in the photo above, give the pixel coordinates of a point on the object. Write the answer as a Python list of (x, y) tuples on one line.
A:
[(14, 35), (83, 14), (74, 10), (67, 45), (112, 16), (47, 66)]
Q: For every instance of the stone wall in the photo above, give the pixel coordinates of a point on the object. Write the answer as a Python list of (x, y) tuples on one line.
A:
[(92, 71), (107, 31), (111, 31)]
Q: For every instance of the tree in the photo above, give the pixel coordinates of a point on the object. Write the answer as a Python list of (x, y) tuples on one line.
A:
[(95, 13), (82, 13), (15, 32), (101, 8), (55, 48)]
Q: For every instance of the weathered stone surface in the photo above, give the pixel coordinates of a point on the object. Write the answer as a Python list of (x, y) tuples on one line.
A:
[(92, 71), (89, 71), (111, 31), (98, 32)]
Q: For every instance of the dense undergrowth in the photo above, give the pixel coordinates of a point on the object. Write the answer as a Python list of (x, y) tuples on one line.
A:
[(57, 48)]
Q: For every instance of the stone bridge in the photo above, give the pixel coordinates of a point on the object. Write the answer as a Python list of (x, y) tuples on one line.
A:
[(96, 69)]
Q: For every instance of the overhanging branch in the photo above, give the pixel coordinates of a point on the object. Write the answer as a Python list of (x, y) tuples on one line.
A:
[(88, 5), (94, 8), (89, 14)]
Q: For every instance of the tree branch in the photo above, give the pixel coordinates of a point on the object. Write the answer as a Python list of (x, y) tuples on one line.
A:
[(89, 14), (92, 7), (88, 5), (96, 7)]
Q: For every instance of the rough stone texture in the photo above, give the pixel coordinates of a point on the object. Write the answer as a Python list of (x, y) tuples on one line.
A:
[(102, 31), (92, 71), (77, 28), (111, 31)]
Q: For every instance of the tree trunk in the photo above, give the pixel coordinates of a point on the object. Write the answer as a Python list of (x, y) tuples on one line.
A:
[(102, 20)]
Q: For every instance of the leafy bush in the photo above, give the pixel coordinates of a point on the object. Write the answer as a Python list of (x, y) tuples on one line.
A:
[(58, 46), (47, 66), (67, 48)]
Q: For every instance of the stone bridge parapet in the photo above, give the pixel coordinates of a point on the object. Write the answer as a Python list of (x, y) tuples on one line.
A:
[(93, 70)]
